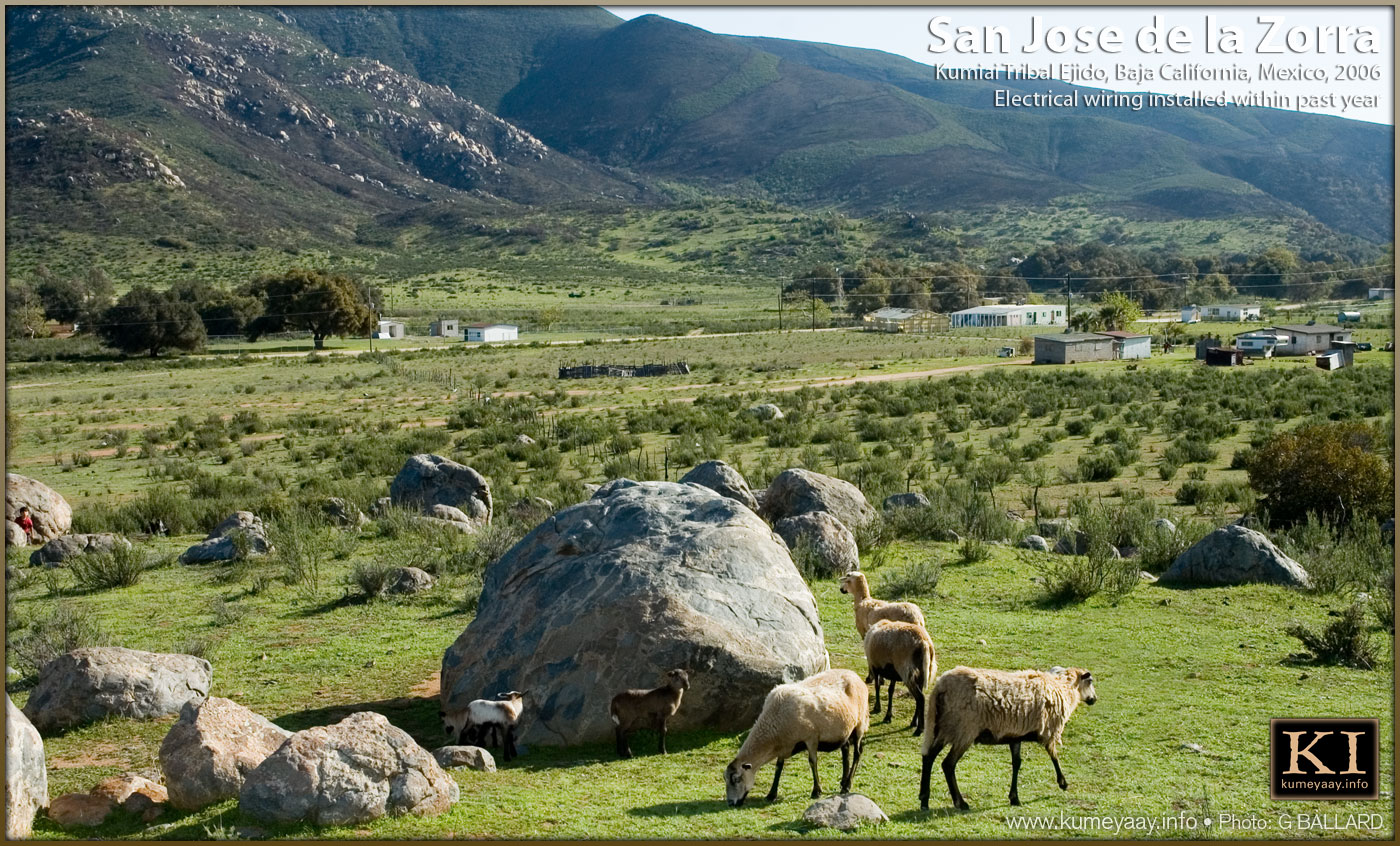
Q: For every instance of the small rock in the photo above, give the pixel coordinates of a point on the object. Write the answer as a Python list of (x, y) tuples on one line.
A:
[(80, 809), (408, 580), (1195, 747), (472, 757), (1035, 542), (981, 641), (905, 500), (766, 411), (845, 812), (1146, 576)]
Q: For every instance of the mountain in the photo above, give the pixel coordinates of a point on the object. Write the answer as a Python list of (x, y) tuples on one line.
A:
[(264, 125), (220, 122)]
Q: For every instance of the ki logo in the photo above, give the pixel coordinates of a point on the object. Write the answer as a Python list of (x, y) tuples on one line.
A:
[(1323, 758)]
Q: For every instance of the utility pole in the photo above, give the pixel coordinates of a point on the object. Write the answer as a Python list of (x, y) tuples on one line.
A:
[(812, 294), (780, 305), (1069, 308)]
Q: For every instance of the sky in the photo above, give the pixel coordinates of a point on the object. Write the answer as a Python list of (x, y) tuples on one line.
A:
[(906, 31)]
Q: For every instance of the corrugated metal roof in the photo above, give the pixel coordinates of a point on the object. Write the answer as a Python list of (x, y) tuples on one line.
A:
[(1073, 338), (1315, 329)]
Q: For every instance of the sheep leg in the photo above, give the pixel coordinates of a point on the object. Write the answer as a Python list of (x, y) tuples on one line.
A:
[(845, 767), (1015, 770), (918, 724), (509, 743), (848, 778), (623, 750), (879, 680), (816, 782), (777, 774), (950, 765), (889, 703), (924, 776), (1059, 774), (661, 729)]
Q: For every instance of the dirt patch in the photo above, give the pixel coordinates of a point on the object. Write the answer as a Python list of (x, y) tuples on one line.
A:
[(95, 755), (429, 688)]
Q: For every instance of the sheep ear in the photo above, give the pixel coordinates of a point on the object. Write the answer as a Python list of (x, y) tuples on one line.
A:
[(1088, 676)]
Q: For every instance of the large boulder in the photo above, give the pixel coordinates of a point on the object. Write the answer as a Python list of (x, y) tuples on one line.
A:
[(134, 794), (723, 479), (1035, 543), (1235, 555), (26, 779), (913, 499), (212, 748), (80, 809), (427, 480), (14, 535), (641, 576), (795, 492), (831, 543), (51, 513), (56, 552), (89, 684), (240, 533), (357, 770)]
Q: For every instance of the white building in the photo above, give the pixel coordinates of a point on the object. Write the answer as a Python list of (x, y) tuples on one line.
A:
[(1009, 315), (445, 328), (1191, 314), (905, 320), (490, 333), (1381, 294), (1230, 312), (389, 330)]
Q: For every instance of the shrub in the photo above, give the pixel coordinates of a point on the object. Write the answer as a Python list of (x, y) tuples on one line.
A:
[(63, 628), (1073, 578), (1343, 642), (1349, 558), (370, 578), (1347, 477), (225, 614), (973, 549), (1383, 601), (1099, 467), (918, 578), (1158, 549), (122, 567)]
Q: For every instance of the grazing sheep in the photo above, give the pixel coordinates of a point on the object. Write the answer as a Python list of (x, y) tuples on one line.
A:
[(824, 712), (970, 706), (486, 718), (634, 709), (869, 609), (901, 652)]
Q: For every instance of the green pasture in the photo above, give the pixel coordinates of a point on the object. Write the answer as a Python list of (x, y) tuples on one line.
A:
[(1174, 667)]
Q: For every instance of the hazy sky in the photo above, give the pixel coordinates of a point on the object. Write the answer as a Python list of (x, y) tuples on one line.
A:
[(905, 31)]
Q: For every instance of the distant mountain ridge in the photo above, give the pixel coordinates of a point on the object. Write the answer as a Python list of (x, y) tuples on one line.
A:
[(315, 119)]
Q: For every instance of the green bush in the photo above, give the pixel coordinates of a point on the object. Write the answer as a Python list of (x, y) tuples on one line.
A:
[(122, 567), (1348, 476), (63, 628), (1343, 642), (370, 578), (915, 580)]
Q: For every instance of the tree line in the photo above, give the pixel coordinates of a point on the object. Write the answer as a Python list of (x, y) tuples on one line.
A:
[(148, 321), (1092, 269)]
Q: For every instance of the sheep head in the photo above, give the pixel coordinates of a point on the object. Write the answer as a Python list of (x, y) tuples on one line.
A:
[(738, 781), (678, 679)]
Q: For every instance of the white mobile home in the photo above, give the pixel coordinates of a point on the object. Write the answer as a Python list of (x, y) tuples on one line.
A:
[(1231, 312), (1009, 315), (1191, 314), (1260, 343), (490, 333)]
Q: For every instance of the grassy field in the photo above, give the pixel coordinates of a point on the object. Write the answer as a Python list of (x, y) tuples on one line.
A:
[(1175, 667), (193, 438)]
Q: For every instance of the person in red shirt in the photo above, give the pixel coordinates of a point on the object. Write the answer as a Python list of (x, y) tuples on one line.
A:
[(25, 522)]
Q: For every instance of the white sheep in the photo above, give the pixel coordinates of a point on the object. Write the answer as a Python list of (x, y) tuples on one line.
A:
[(634, 709), (822, 713), (868, 609), (482, 718), (901, 652), (970, 706)]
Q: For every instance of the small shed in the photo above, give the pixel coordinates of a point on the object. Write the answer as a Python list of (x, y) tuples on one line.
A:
[(1129, 345), (1191, 314), (445, 328), (1072, 347), (1204, 344), (1381, 294), (489, 333), (389, 330), (1224, 357)]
